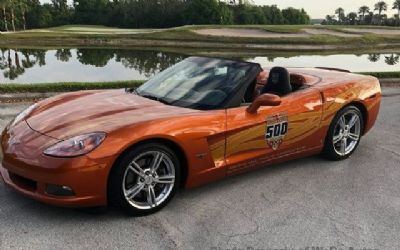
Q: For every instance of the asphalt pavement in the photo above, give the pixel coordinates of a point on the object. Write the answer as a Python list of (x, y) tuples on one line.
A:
[(303, 203)]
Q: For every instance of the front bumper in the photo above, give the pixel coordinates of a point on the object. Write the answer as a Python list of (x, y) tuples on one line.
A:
[(37, 191), (25, 169)]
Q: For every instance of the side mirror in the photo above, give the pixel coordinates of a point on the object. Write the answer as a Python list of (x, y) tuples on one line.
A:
[(264, 100)]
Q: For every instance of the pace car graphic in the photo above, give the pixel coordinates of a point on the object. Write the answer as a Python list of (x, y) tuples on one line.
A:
[(276, 129)]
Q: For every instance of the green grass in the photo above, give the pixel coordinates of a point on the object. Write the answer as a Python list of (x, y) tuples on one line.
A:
[(65, 86)]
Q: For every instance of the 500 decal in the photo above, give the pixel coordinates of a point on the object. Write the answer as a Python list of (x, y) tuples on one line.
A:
[(276, 130)]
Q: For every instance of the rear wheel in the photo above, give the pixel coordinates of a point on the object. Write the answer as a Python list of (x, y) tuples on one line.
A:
[(145, 179), (344, 134)]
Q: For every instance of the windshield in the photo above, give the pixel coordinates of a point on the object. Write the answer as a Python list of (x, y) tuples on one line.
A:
[(198, 83)]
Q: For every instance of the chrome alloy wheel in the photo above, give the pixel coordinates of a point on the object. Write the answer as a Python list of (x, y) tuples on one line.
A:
[(347, 133), (149, 180)]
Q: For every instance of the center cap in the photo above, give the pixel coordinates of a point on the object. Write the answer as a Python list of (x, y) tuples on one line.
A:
[(148, 180)]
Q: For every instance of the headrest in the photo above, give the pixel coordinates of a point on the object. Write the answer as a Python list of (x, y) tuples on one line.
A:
[(297, 80), (278, 82)]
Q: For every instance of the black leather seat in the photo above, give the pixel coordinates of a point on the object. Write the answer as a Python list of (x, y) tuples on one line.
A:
[(278, 82)]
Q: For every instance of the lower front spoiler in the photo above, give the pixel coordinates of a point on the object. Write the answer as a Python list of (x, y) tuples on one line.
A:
[(39, 194)]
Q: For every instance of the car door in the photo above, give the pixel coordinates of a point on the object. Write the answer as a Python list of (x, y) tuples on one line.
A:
[(273, 133)]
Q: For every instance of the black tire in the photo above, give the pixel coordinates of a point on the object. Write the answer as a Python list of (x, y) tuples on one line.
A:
[(329, 150), (117, 182)]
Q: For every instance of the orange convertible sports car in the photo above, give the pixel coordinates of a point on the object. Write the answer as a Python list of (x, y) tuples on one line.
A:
[(199, 121)]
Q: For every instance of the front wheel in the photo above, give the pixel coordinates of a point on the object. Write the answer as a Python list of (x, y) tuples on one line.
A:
[(344, 134), (145, 179)]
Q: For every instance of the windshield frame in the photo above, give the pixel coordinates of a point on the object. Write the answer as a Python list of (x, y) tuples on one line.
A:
[(233, 98)]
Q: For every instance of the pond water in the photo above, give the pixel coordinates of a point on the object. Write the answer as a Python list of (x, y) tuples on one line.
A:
[(69, 65)]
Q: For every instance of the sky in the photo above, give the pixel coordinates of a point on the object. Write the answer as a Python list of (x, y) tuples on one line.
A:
[(317, 8)]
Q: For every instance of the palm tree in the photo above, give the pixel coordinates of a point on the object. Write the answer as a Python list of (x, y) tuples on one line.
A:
[(329, 19), (3, 5), (340, 12), (12, 4), (22, 6), (396, 5), (364, 10), (352, 17), (380, 7)]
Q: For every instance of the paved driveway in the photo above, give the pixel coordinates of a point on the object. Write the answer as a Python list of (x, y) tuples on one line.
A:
[(303, 203)]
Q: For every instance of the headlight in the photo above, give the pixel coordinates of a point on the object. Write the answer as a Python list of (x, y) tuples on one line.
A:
[(23, 114), (76, 146)]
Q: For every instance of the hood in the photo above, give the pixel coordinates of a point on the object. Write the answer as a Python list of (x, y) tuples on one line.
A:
[(82, 112)]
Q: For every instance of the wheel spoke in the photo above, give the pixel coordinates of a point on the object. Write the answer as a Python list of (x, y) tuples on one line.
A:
[(353, 121), (354, 137), (343, 145), (337, 138), (166, 179), (132, 192), (151, 196), (342, 122), (156, 162), (137, 169)]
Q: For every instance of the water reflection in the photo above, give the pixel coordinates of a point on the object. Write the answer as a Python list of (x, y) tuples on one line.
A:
[(392, 59), (36, 65), (148, 63), (82, 64), (63, 55), (374, 62), (374, 57)]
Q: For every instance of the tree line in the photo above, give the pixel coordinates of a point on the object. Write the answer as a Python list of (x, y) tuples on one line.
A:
[(28, 14), (366, 15)]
